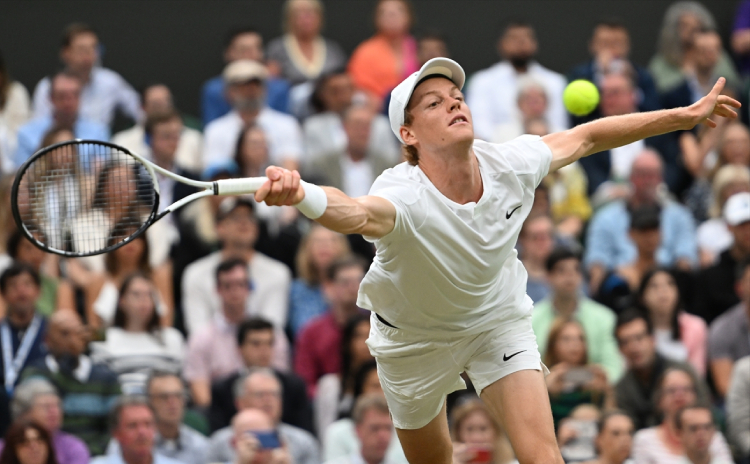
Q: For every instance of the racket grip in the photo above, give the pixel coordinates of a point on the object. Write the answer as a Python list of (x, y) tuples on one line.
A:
[(239, 186)]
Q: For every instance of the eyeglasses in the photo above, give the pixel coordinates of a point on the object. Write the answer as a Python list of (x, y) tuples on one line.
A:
[(700, 427), (169, 395), (673, 390)]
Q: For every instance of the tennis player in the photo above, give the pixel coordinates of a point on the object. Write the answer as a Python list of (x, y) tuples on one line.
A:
[(446, 288)]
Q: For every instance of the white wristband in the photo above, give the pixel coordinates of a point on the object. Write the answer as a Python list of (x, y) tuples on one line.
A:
[(315, 202)]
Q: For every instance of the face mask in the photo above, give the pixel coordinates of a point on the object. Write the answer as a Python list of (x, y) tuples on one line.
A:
[(519, 61)]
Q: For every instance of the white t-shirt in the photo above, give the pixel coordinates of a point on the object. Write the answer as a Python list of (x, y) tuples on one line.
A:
[(450, 269), (357, 177)]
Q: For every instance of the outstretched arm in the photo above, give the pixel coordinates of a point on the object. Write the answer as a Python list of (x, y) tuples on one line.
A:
[(616, 131), (369, 215)]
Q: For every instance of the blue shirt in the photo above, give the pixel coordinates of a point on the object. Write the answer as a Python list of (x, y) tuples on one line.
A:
[(608, 242), (30, 135), (305, 303), (214, 104)]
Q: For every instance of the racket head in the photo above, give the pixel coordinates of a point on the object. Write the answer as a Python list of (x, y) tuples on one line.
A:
[(84, 197)]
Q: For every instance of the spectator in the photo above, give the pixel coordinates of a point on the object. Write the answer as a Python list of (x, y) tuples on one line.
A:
[(64, 94), (103, 92), (213, 349), (675, 48), (136, 344), (56, 293), (729, 335), (317, 347), (614, 439), (262, 390), (324, 130), (251, 154), (243, 43), (353, 169), (619, 96), (319, 248), (245, 89), (609, 47), (174, 439), (536, 242), (431, 44), (246, 429), (102, 289), (566, 301), (491, 92), (374, 430), (700, 78), (28, 443), (256, 339), (335, 396), (237, 230), (569, 201), (576, 433), (696, 430), (133, 425), (679, 336), (661, 444), (340, 438), (532, 105), (635, 390), (573, 380), (37, 400), (87, 389), (23, 328), (156, 99), (478, 436), (644, 231), (713, 235), (738, 409), (607, 244), (379, 63), (14, 111), (302, 54), (716, 285)]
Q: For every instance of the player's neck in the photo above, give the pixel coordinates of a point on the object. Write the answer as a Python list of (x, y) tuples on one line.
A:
[(457, 177)]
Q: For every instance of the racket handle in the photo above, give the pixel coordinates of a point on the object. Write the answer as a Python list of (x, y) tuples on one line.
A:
[(239, 186)]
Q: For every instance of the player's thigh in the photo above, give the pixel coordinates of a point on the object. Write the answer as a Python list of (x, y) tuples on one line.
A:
[(430, 444), (521, 402)]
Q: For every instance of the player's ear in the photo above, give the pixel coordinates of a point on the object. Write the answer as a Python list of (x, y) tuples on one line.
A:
[(408, 135)]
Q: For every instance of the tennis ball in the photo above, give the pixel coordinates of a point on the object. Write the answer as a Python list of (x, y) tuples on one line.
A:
[(580, 97)]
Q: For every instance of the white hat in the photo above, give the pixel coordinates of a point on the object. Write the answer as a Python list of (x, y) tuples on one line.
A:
[(241, 71), (402, 93), (737, 209)]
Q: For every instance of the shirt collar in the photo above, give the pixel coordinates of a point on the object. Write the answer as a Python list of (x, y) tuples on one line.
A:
[(81, 373)]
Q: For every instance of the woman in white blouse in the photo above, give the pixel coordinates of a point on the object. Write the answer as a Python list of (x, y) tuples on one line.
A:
[(14, 112), (136, 344)]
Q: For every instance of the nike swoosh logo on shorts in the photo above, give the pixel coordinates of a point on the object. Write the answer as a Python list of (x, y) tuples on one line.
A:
[(506, 357), (508, 215)]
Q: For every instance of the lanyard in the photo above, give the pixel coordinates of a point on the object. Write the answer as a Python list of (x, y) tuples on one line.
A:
[(13, 367)]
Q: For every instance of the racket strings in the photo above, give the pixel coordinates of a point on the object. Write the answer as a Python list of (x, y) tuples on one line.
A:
[(85, 197)]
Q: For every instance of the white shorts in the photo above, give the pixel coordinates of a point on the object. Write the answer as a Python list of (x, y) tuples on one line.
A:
[(417, 372)]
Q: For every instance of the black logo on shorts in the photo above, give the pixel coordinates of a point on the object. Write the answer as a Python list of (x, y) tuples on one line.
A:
[(506, 357), (508, 215)]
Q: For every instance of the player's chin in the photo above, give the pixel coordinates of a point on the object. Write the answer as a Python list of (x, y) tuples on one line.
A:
[(463, 132)]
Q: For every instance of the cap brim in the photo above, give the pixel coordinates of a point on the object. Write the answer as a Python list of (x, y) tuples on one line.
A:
[(440, 67)]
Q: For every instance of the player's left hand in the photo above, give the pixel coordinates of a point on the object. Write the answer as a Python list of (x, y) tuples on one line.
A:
[(713, 104), (282, 188)]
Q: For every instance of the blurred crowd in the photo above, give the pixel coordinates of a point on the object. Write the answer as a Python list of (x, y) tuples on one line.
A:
[(230, 331)]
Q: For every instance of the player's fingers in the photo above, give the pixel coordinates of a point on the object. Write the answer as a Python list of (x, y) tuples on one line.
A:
[(727, 100), (274, 172), (295, 187), (276, 188), (710, 123), (725, 111), (262, 193), (718, 87), (287, 188)]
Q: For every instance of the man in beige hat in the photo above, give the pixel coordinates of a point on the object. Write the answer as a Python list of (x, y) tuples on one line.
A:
[(246, 92)]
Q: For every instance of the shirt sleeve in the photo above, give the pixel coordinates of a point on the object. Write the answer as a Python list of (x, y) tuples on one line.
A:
[(600, 243), (529, 155), (405, 197), (719, 344)]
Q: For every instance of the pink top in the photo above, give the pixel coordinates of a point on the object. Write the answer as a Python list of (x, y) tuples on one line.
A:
[(694, 335), (649, 449)]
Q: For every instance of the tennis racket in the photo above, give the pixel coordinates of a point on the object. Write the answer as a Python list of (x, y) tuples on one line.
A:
[(86, 197)]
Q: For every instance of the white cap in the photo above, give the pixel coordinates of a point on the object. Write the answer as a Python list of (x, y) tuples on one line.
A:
[(737, 209), (241, 71), (402, 93)]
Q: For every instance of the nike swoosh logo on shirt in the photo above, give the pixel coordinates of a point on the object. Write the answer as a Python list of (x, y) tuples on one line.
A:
[(508, 215), (505, 357)]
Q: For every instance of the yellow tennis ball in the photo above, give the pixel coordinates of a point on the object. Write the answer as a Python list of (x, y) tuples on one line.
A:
[(580, 97)]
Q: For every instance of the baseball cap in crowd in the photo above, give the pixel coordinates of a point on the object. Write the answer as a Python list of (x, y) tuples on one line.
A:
[(217, 169), (402, 93), (647, 217), (242, 71), (737, 209), (229, 204)]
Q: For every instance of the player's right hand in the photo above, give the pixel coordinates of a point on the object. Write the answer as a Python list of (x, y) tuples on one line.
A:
[(282, 188)]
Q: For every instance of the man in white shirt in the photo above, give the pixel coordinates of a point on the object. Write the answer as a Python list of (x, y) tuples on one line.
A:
[(246, 91), (157, 98), (237, 228), (104, 91), (447, 290), (492, 92)]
